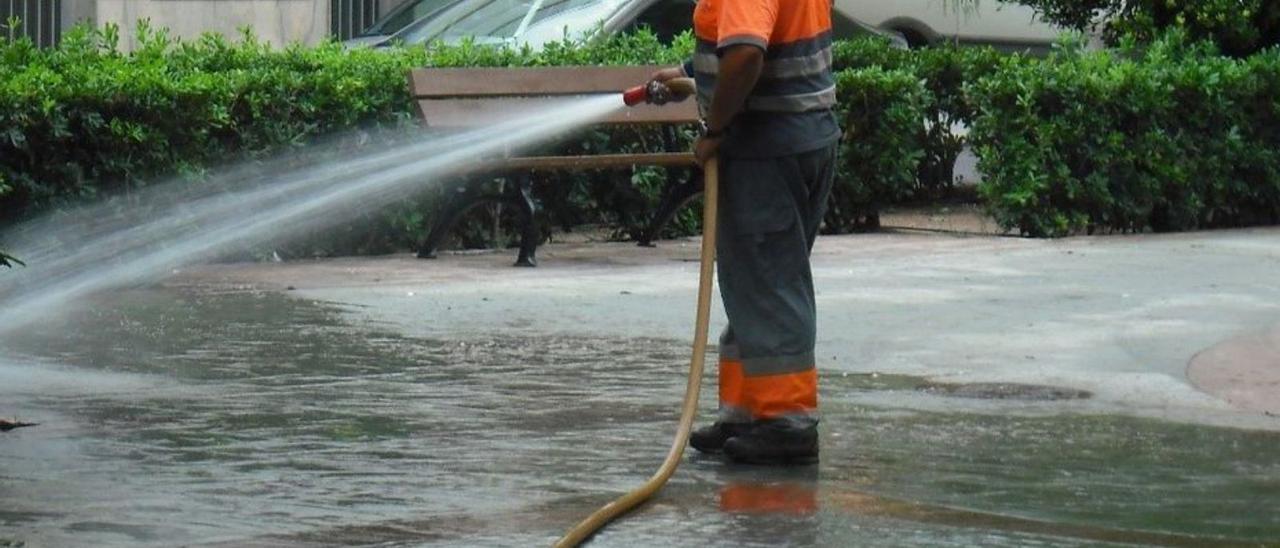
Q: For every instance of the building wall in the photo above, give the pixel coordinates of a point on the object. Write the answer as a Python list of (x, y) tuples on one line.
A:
[(78, 11), (279, 22)]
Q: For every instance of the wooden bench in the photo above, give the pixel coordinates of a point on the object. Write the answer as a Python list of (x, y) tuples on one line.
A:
[(471, 98)]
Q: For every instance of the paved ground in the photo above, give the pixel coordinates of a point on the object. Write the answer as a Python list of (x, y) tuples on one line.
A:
[(976, 391), (1119, 317), (1244, 371)]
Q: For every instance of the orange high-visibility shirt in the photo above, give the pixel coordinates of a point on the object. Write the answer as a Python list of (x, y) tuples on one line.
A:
[(788, 111)]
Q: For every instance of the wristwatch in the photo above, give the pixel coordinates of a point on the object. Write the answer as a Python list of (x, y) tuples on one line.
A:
[(706, 132)]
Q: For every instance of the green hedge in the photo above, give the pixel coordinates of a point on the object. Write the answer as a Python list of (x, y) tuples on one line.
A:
[(1173, 138), (883, 114), (84, 120), (944, 71)]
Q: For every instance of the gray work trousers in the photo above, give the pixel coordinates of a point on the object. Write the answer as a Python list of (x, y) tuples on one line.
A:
[(770, 212)]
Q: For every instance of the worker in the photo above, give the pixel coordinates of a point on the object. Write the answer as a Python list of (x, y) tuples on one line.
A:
[(766, 92)]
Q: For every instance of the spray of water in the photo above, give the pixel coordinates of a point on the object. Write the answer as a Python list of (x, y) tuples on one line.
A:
[(95, 248)]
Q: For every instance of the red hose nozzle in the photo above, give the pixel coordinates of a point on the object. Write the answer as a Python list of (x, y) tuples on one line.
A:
[(636, 95), (659, 93), (654, 92)]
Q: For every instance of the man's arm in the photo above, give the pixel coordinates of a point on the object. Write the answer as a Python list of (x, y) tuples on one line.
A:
[(740, 67)]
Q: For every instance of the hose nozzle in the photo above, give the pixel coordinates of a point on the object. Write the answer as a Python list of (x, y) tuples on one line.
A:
[(659, 93)]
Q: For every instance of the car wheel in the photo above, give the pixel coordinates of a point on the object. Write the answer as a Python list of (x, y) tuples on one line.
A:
[(910, 39)]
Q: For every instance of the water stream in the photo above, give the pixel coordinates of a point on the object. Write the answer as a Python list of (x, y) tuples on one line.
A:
[(77, 253)]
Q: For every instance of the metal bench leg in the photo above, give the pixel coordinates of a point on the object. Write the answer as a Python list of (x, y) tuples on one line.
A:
[(454, 207), (530, 235), (674, 197), (457, 206)]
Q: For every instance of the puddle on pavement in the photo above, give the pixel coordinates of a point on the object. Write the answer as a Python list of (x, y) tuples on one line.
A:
[(246, 419), (1004, 391)]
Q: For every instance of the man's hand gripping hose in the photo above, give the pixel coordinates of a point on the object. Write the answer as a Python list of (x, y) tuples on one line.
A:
[(660, 92)]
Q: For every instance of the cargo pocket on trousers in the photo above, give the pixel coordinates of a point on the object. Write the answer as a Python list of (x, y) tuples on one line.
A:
[(757, 199)]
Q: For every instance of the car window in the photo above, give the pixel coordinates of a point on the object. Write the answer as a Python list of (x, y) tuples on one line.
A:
[(575, 23), (404, 15), (488, 20)]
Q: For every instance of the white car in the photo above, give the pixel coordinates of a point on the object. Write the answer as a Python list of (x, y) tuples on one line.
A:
[(537, 22), (926, 22)]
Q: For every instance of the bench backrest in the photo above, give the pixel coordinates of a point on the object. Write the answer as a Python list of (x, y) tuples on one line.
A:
[(470, 97)]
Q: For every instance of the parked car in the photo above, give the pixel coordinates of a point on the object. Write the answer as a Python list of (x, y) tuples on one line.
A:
[(921, 23), (396, 20), (537, 22)]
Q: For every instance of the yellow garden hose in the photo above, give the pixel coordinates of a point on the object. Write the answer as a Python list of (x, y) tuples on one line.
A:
[(627, 502)]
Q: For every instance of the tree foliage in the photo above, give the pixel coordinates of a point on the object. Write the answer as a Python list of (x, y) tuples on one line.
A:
[(1238, 27)]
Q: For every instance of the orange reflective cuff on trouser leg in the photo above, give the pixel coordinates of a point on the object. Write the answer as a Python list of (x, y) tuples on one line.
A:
[(732, 408), (776, 395)]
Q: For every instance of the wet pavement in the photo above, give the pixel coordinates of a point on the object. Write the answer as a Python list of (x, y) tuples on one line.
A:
[(393, 402)]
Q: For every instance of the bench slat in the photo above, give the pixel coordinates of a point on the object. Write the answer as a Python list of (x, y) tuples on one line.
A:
[(597, 161), (499, 82), (467, 113)]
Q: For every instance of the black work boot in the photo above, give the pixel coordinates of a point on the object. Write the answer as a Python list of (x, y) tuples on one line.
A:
[(775, 442), (710, 439)]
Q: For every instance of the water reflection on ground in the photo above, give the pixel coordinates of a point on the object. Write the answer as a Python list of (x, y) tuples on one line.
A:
[(240, 419)]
